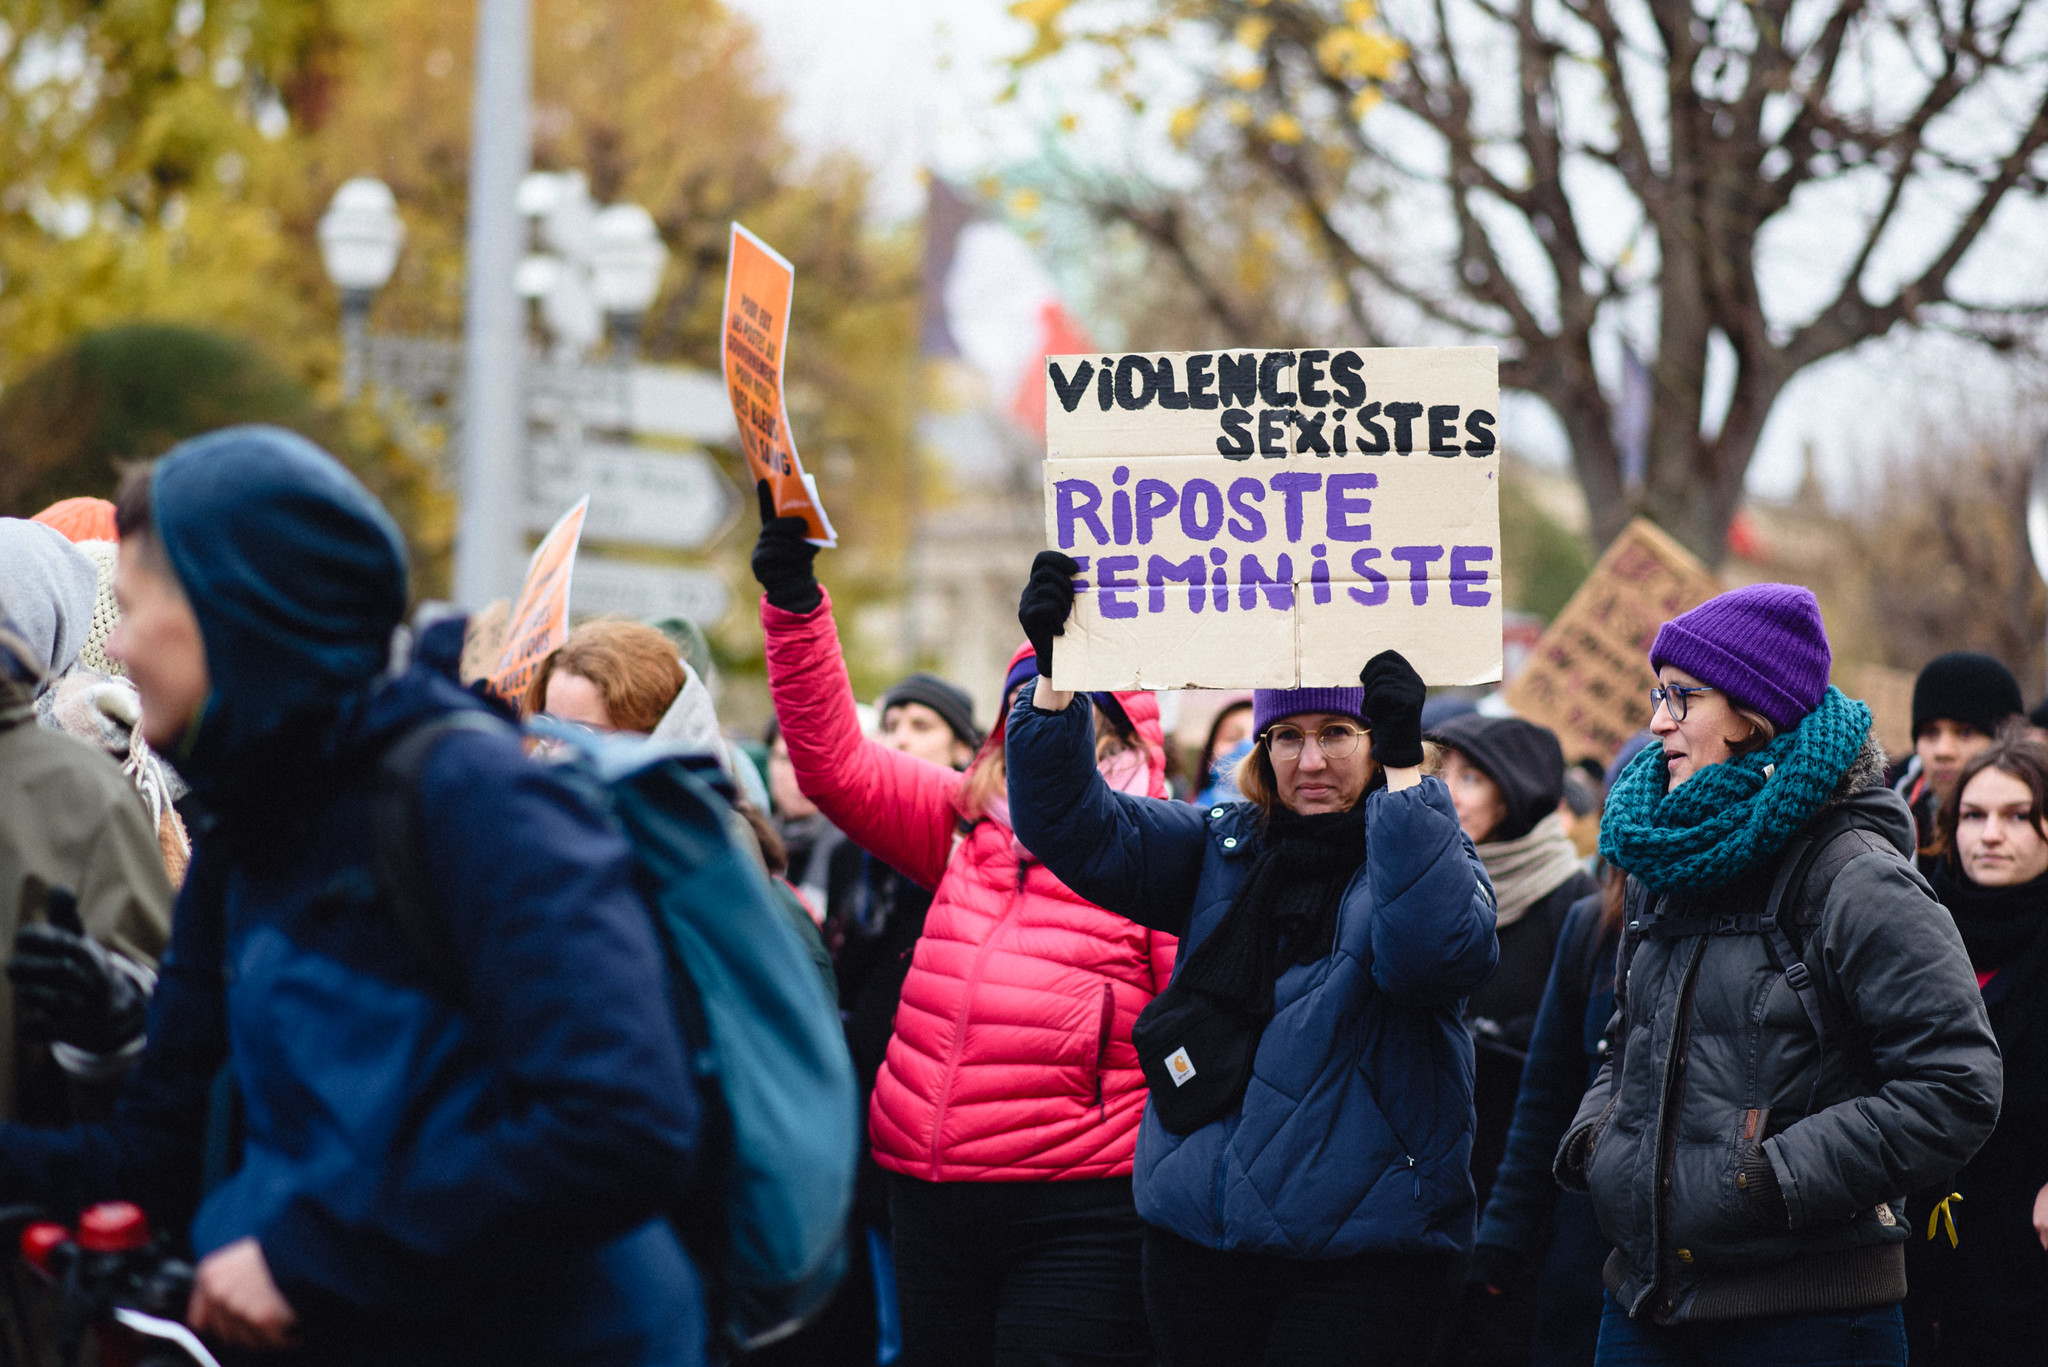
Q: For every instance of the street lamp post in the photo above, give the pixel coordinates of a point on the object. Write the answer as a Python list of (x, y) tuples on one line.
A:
[(627, 260), (487, 536), (360, 235)]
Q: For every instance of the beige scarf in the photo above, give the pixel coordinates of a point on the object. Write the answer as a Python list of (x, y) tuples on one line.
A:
[(1525, 870)]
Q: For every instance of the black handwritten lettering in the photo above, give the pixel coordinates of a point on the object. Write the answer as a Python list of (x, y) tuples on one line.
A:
[(1070, 391)]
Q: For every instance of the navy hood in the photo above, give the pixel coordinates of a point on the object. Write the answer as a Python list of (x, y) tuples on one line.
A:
[(296, 574)]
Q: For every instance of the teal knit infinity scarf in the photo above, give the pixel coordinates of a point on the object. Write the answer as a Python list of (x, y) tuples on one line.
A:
[(1729, 817)]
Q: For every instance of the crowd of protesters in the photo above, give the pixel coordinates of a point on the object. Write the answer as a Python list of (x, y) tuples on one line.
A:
[(1350, 1053)]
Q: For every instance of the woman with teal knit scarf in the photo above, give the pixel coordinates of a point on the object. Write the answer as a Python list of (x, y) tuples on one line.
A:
[(1798, 1039)]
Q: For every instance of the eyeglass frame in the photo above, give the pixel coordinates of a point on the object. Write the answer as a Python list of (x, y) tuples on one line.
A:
[(1357, 733), (1662, 695)]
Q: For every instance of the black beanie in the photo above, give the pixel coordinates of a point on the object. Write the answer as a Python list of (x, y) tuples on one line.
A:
[(948, 700), (1967, 687), (1523, 759), (2039, 716)]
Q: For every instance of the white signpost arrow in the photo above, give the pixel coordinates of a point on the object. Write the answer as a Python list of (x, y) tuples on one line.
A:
[(638, 591), (673, 500)]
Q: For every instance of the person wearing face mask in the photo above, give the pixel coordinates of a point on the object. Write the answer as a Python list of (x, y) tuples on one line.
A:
[(1798, 1039), (1304, 1166), (1960, 701), (1228, 742), (1981, 1296), (1006, 1106)]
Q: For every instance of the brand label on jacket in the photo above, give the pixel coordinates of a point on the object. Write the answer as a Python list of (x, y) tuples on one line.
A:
[(1180, 1067)]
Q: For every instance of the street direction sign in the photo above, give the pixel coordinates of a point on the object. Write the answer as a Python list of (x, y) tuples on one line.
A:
[(673, 500), (629, 589)]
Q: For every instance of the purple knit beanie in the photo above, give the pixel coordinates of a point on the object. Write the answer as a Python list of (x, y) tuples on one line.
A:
[(1763, 646), (1271, 704)]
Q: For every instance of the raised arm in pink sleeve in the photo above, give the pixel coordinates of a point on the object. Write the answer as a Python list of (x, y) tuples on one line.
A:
[(895, 806)]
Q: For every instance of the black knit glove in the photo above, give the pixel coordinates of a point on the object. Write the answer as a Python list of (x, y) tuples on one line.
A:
[(67, 988), (1758, 1180), (782, 559), (1393, 708), (1048, 599)]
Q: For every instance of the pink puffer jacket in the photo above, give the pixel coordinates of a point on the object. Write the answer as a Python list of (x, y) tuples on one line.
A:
[(1012, 1057)]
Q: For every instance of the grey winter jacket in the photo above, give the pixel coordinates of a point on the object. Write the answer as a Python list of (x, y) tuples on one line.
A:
[(1714, 1054)]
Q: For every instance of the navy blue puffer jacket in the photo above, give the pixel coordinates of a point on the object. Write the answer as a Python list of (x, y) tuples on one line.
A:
[(470, 1172), (1355, 1133)]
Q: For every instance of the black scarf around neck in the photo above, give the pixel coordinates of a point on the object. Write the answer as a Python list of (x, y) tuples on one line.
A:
[(1290, 896), (1998, 925)]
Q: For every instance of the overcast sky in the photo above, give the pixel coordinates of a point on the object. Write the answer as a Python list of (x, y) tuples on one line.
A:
[(910, 83)]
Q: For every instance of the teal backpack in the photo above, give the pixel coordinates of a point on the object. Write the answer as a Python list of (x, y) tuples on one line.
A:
[(767, 1223)]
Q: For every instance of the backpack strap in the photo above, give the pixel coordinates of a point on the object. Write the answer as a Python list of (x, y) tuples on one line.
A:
[(1792, 874), (398, 843)]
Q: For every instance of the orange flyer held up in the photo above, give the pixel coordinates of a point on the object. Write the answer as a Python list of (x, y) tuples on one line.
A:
[(759, 284), (540, 619)]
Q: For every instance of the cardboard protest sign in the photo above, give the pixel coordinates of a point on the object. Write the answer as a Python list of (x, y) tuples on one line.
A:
[(759, 285), (540, 617), (1272, 519), (1589, 679)]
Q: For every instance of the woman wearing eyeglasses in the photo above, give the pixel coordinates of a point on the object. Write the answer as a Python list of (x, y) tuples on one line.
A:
[(1798, 1039), (1302, 1164)]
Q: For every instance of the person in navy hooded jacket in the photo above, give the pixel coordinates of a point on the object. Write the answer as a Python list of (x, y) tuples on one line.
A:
[(1303, 1164), (463, 1165)]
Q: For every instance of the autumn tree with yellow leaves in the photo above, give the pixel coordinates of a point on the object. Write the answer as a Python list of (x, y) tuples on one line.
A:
[(1543, 175), (168, 160)]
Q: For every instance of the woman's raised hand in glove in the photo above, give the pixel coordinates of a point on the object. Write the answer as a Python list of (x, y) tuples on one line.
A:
[(782, 559), (1394, 694), (1048, 599)]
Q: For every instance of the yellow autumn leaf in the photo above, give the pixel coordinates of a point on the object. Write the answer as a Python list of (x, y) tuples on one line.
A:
[(1357, 12), (1253, 31), (1357, 55), (1238, 112), (1283, 127), (1250, 79), (1364, 101), (1044, 18), (1183, 124), (1039, 11)]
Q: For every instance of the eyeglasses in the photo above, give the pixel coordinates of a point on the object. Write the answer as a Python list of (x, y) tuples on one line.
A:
[(1674, 699), (1335, 741)]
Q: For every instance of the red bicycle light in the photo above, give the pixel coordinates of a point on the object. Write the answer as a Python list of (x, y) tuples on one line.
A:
[(40, 1240), (113, 1227)]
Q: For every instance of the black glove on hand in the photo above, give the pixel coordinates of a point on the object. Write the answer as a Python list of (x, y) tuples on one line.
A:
[(1048, 598), (68, 989), (1393, 707), (782, 559)]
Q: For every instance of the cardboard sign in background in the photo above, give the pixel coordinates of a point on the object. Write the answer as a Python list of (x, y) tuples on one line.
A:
[(1276, 518), (540, 617), (1589, 677), (759, 285)]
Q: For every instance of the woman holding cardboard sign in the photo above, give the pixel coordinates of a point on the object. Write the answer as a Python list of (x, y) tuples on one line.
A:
[(1302, 1169), (1007, 1105)]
